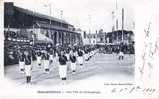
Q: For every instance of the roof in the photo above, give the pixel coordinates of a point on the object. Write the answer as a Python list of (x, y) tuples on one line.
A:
[(120, 31), (42, 25), (32, 13)]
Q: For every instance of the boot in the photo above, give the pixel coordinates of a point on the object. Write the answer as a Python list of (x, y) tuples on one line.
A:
[(64, 78), (27, 79)]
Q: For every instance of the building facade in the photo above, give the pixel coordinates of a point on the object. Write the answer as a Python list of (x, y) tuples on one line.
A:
[(37, 27), (109, 38), (26, 28)]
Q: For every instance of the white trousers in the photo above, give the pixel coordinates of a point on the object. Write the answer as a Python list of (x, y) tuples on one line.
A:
[(63, 71), (121, 54), (93, 52), (73, 66), (38, 60), (68, 58), (46, 64), (28, 70), (21, 65), (86, 56), (89, 54), (80, 60), (51, 58)]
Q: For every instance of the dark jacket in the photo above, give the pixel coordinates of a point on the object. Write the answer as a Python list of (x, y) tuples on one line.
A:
[(27, 60), (62, 60), (45, 56), (86, 51), (39, 53), (72, 58), (80, 53), (21, 57)]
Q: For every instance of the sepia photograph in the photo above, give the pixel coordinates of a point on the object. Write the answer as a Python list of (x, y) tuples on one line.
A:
[(64, 42)]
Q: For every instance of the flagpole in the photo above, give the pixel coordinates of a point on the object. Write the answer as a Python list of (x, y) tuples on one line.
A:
[(33, 24)]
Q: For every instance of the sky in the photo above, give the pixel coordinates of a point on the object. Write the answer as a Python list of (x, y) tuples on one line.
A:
[(85, 14)]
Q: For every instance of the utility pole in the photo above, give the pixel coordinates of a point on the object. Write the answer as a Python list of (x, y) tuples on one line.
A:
[(122, 24), (61, 14), (116, 13), (50, 12), (116, 21), (34, 22), (62, 33), (89, 16), (113, 17), (50, 20)]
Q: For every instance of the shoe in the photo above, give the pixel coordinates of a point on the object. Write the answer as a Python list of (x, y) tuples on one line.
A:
[(64, 78), (73, 72), (47, 70), (28, 79), (22, 71)]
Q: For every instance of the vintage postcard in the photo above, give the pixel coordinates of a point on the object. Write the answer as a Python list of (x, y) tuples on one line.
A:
[(79, 49)]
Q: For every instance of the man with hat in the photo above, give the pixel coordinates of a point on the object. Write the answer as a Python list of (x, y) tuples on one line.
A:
[(21, 60), (73, 61), (28, 67), (38, 55), (45, 57), (86, 54), (80, 56), (51, 55), (62, 66)]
